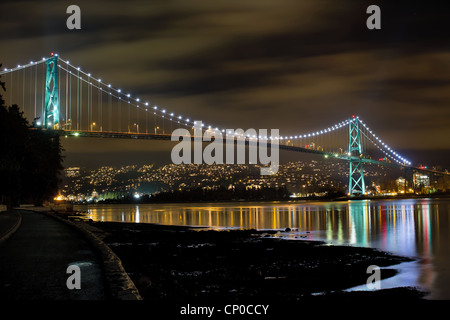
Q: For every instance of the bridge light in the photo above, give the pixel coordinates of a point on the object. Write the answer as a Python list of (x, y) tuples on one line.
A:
[(155, 107), (138, 99), (99, 80), (89, 74), (119, 90), (146, 103), (128, 95)]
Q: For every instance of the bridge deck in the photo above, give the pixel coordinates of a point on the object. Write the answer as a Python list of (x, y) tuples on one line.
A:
[(153, 136)]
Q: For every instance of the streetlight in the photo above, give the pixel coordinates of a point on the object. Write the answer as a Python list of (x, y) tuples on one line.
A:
[(137, 127), (156, 128), (92, 126)]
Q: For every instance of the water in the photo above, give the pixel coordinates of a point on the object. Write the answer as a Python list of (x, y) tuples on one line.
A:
[(417, 228)]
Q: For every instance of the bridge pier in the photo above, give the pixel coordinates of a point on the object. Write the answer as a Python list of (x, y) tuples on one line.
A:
[(356, 184), (51, 107)]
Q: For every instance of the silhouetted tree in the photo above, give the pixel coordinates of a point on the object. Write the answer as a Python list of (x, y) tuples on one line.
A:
[(30, 159)]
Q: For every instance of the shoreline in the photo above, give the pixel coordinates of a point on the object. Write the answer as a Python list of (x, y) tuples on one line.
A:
[(194, 264), (290, 200)]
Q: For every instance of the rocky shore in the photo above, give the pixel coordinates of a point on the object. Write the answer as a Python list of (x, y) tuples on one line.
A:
[(179, 264)]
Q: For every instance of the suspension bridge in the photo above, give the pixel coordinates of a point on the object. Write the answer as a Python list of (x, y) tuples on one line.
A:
[(60, 96)]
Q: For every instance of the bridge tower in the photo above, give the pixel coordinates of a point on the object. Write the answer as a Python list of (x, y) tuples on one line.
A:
[(356, 183), (51, 109)]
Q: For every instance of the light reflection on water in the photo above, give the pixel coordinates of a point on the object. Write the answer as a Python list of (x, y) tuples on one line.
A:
[(416, 228)]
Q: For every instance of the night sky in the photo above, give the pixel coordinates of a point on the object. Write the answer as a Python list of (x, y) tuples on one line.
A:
[(288, 64)]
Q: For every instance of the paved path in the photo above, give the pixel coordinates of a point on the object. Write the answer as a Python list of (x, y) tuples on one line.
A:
[(9, 222), (34, 260)]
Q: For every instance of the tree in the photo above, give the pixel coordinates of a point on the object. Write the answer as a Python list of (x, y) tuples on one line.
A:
[(30, 158)]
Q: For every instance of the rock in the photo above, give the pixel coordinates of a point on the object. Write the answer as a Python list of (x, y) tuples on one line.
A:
[(144, 282)]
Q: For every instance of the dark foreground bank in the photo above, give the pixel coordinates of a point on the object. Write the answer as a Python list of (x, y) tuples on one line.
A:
[(171, 264)]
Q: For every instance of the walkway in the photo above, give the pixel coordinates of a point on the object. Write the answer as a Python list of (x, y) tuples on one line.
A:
[(34, 260)]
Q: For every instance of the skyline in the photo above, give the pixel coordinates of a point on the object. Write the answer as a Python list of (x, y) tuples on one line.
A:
[(300, 177), (294, 66)]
